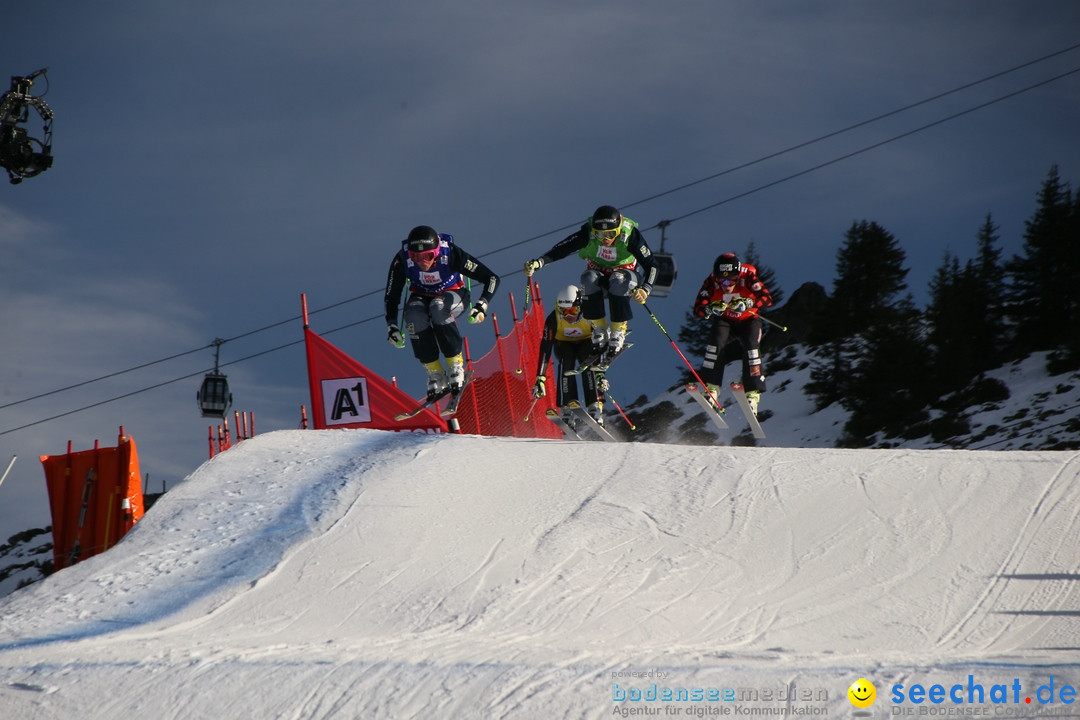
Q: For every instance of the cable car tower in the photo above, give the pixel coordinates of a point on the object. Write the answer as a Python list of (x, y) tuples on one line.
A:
[(214, 396), (665, 265)]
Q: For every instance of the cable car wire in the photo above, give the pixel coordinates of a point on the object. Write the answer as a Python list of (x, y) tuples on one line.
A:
[(571, 226)]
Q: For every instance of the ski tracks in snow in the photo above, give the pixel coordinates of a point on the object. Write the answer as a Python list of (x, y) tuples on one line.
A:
[(1035, 589)]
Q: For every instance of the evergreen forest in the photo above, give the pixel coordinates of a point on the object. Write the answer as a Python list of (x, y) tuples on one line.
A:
[(889, 362)]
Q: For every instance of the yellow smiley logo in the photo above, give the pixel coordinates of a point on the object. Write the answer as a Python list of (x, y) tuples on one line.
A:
[(862, 693)]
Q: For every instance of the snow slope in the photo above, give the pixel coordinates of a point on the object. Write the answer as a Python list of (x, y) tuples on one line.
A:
[(366, 574)]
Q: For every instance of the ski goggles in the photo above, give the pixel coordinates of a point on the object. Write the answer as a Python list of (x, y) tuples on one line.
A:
[(727, 282), (606, 235), (423, 256), (568, 311)]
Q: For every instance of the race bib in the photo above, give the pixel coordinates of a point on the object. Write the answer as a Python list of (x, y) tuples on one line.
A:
[(607, 254)]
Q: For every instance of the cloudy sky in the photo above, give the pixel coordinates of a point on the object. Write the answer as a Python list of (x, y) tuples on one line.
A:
[(214, 160)]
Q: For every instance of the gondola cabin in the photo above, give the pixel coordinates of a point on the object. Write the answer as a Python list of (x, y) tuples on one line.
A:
[(665, 265), (665, 274), (214, 396)]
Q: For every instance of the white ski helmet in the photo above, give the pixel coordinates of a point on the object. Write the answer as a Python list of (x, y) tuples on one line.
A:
[(569, 301)]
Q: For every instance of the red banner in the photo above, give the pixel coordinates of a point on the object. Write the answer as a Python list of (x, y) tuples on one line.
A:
[(345, 394)]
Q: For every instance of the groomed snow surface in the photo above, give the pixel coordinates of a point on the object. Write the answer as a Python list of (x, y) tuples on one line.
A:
[(369, 574)]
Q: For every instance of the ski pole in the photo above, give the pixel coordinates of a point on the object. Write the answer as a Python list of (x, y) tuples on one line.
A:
[(627, 419), (4, 476), (704, 387), (521, 338), (529, 411), (402, 325), (783, 328)]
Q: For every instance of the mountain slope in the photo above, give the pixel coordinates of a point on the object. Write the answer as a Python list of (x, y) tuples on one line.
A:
[(1040, 412), (372, 574)]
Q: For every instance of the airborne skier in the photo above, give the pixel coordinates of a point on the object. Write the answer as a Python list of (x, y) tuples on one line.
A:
[(435, 269), (567, 334), (732, 295), (618, 263)]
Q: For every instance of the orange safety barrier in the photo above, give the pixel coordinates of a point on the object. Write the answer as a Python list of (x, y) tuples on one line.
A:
[(95, 497)]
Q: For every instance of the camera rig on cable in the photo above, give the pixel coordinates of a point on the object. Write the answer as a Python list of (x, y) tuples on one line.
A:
[(21, 155)]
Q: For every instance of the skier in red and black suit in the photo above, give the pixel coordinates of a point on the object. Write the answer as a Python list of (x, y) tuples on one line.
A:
[(435, 269), (732, 295)]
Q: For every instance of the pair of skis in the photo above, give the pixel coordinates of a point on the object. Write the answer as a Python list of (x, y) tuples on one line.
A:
[(739, 393), (451, 407), (599, 362), (570, 432)]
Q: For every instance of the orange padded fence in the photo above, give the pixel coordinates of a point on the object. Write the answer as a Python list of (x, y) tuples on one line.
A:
[(95, 497)]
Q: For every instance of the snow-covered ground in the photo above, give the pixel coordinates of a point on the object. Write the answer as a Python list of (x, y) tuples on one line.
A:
[(367, 574)]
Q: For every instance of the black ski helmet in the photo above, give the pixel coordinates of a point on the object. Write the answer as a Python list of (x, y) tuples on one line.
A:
[(727, 265), (423, 237), (606, 217)]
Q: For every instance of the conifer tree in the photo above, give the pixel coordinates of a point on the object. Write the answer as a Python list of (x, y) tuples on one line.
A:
[(1043, 279), (869, 277), (888, 385), (965, 325), (1070, 359), (990, 334), (949, 317)]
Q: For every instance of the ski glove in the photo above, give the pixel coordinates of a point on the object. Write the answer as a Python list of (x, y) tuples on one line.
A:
[(394, 336), (478, 313), (540, 388), (715, 308), (742, 305), (640, 294), (532, 266)]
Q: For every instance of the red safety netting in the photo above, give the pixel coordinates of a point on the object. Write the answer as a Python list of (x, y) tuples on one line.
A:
[(498, 399)]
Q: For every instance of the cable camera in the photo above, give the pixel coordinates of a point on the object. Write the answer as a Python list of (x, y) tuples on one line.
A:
[(21, 154)]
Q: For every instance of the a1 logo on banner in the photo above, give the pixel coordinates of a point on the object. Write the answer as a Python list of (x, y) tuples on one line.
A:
[(345, 401)]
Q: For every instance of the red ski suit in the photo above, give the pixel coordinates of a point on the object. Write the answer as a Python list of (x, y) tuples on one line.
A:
[(743, 325)]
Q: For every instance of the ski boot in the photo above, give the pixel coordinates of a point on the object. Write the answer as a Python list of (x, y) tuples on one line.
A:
[(617, 338), (599, 335), (713, 396), (455, 373), (437, 382), (569, 417), (752, 397), (596, 410)]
